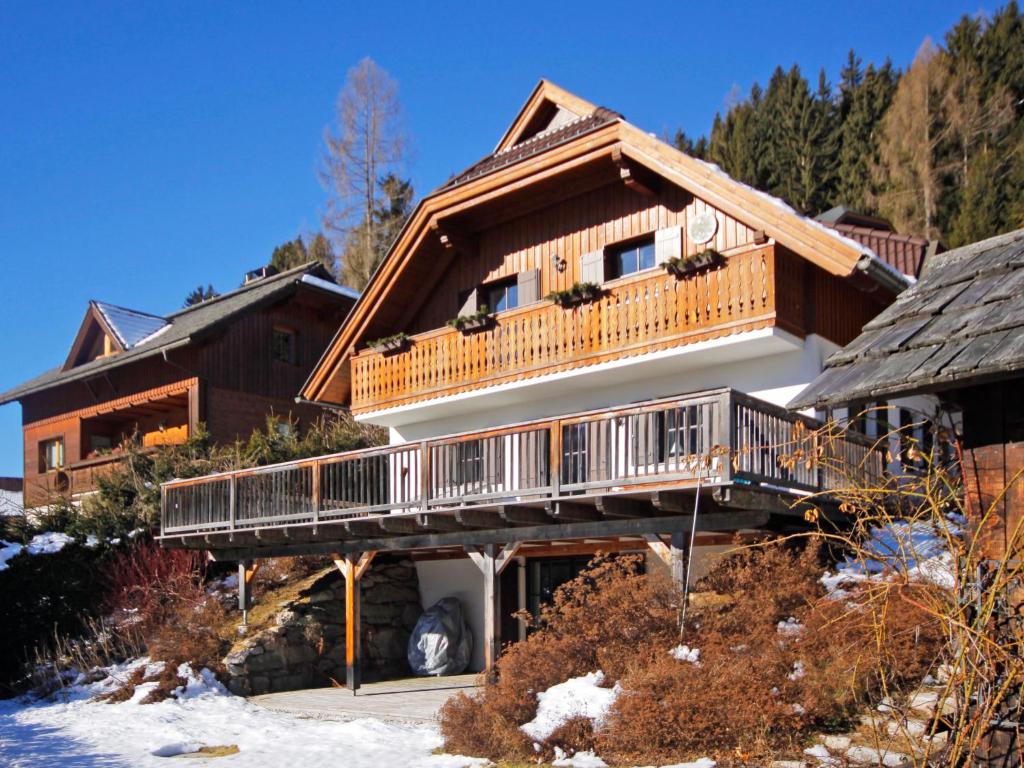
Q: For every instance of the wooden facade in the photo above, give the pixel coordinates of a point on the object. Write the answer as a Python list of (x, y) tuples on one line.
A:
[(545, 219), (229, 380)]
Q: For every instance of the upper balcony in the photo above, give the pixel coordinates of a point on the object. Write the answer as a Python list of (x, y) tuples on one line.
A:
[(608, 469), (651, 311)]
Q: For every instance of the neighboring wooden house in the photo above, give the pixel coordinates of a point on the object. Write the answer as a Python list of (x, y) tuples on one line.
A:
[(907, 253), (957, 337), (566, 341), (228, 362)]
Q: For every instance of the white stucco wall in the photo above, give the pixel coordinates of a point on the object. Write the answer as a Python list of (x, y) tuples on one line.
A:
[(777, 376), (461, 579)]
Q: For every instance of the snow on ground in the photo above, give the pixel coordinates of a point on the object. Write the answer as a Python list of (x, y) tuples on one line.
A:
[(43, 544), (576, 697), (913, 550), (686, 653), (79, 733)]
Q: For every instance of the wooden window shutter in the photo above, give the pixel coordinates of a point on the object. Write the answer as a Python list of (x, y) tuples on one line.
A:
[(470, 303), (668, 244), (592, 267), (529, 286)]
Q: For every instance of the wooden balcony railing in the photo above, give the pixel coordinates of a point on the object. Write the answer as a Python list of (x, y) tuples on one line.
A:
[(716, 437), (630, 317)]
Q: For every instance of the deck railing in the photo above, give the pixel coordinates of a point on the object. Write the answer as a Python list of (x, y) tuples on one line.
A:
[(716, 437), (629, 317)]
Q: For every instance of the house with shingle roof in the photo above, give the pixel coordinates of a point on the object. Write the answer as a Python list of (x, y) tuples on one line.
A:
[(228, 362), (955, 337)]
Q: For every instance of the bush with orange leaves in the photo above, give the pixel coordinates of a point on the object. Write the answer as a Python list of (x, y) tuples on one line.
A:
[(778, 659)]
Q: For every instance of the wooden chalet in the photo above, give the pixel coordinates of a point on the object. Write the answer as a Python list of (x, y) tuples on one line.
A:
[(228, 362), (570, 343)]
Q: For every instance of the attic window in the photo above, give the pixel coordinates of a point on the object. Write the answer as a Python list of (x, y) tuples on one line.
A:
[(282, 345), (631, 257)]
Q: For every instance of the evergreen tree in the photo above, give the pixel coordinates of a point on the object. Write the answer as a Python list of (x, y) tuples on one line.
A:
[(684, 143), (737, 141), (299, 251), (864, 97), (199, 294), (288, 255), (802, 141)]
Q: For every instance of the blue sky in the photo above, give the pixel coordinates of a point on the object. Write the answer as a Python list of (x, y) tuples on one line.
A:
[(147, 147)]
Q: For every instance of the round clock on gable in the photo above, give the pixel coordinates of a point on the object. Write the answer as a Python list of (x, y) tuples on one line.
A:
[(702, 227)]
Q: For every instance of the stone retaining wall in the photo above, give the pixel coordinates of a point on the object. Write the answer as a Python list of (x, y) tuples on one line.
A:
[(306, 646)]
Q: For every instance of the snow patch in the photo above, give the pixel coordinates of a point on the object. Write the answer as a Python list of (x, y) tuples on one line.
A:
[(580, 760), (798, 671), (576, 697), (686, 653), (790, 627), (915, 551)]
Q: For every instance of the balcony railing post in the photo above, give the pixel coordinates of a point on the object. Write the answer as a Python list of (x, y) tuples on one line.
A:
[(727, 432), (425, 475), (232, 502), (555, 460), (315, 491)]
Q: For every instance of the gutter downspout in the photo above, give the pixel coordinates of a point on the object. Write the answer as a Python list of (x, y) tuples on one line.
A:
[(882, 273)]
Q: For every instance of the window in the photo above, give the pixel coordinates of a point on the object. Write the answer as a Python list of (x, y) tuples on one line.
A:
[(282, 346), (51, 454), (501, 296), (630, 258)]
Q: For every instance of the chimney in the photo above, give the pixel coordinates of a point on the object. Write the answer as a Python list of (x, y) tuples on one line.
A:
[(260, 273)]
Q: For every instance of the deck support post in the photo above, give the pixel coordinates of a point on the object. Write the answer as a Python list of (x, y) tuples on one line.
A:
[(246, 573), (676, 555), (492, 560), (352, 567)]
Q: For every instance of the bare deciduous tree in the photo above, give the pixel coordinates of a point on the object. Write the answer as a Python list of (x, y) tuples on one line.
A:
[(367, 142), (912, 132)]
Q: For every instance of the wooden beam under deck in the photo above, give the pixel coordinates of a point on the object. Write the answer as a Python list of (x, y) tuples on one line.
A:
[(706, 522)]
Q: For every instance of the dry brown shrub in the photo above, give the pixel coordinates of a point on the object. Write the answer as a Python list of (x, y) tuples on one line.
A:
[(757, 691), (612, 618)]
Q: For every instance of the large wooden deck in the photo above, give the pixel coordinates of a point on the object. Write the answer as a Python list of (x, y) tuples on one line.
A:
[(598, 471)]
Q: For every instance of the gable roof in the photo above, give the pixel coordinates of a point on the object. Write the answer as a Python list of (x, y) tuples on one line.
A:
[(962, 322), (597, 136), (182, 327), (547, 107), (129, 326)]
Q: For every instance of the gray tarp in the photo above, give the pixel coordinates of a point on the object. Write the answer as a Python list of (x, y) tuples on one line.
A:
[(441, 643)]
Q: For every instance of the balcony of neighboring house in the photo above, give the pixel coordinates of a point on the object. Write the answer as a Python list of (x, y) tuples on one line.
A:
[(628, 327), (90, 444), (614, 471)]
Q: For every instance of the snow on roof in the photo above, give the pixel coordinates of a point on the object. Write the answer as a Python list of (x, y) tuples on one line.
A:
[(786, 208), (130, 326), (11, 502), (327, 285)]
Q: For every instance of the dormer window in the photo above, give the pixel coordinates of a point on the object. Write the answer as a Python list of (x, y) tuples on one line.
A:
[(629, 258)]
